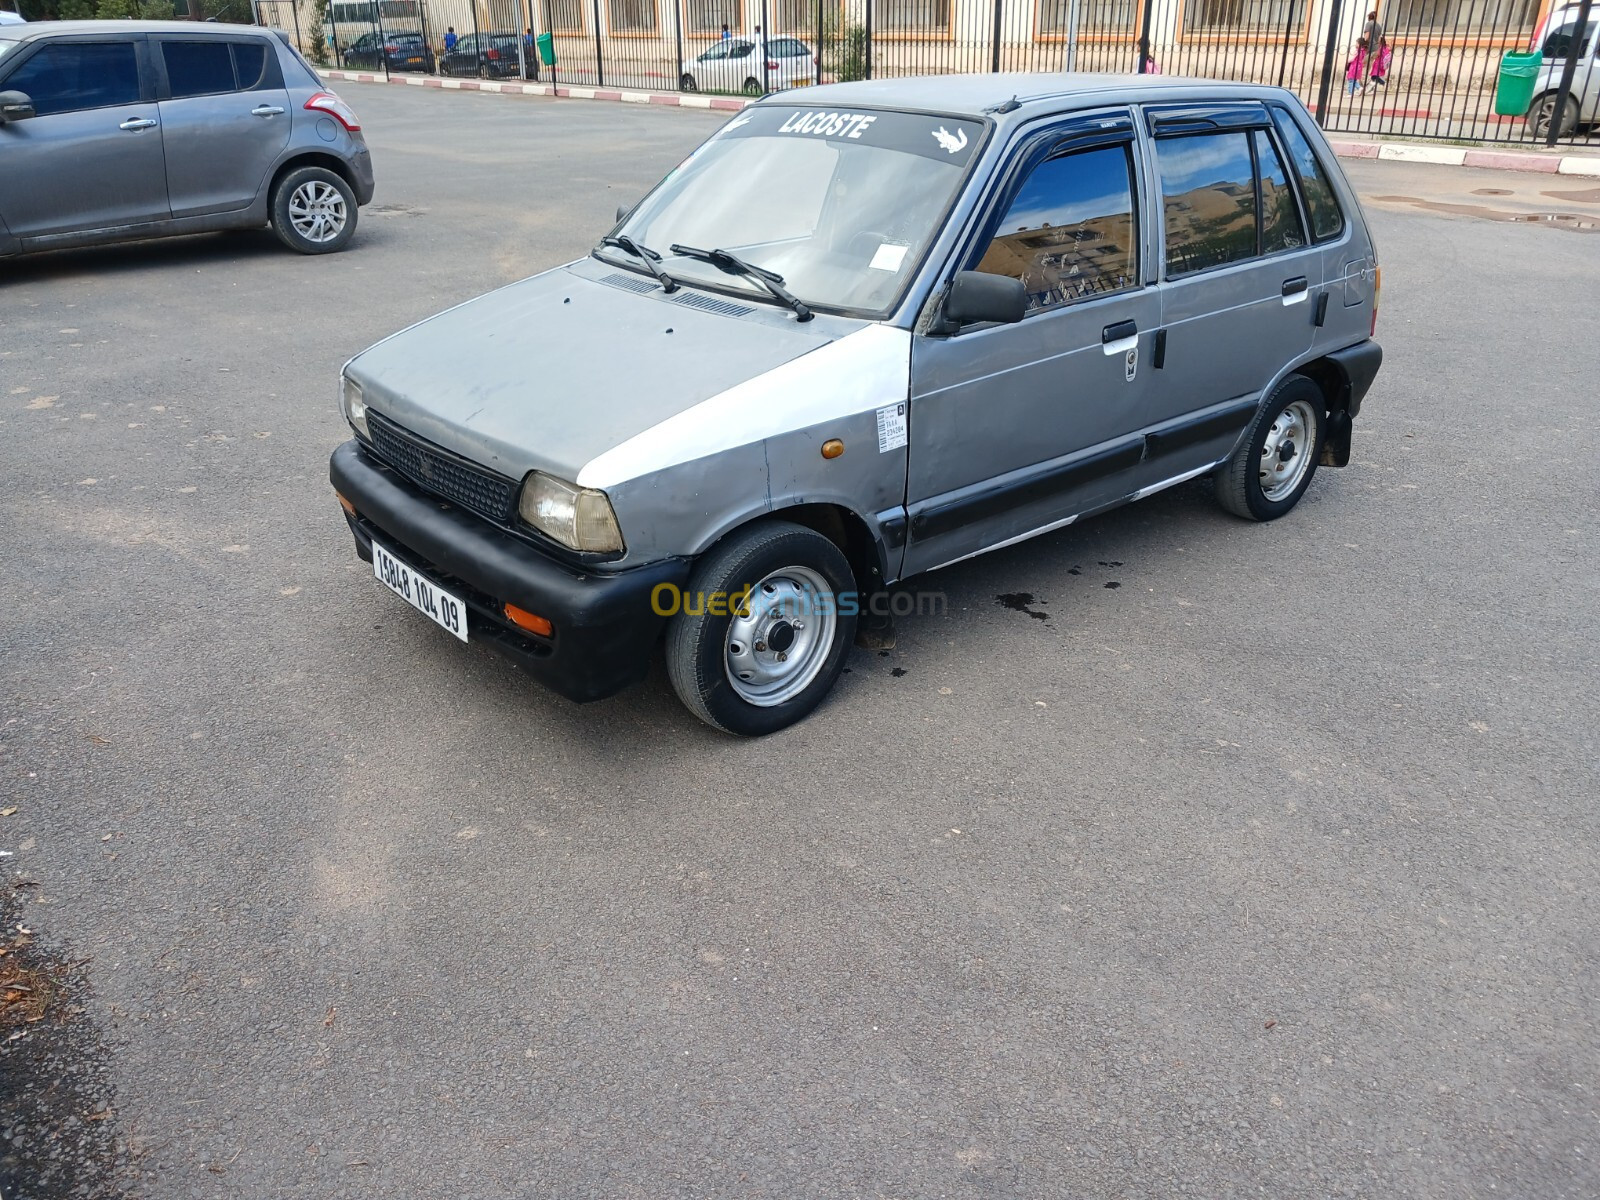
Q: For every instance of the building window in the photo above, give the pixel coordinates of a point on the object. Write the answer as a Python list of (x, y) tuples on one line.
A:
[(709, 16), (564, 16), (911, 16), (1424, 17), (631, 16), (1094, 16), (1242, 16)]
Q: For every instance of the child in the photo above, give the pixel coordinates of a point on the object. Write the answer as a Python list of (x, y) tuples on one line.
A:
[(1355, 70), (1380, 62)]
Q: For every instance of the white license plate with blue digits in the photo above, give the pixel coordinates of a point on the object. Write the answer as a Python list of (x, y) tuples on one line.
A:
[(428, 598)]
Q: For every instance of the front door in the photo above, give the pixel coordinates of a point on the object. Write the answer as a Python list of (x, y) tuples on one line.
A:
[(224, 122), (1240, 281), (91, 158), (1016, 429)]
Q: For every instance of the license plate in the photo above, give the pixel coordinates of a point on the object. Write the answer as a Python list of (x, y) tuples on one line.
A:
[(801, 83), (409, 61), (428, 598)]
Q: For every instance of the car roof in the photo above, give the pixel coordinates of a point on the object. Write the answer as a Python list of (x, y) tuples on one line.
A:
[(35, 29), (980, 95)]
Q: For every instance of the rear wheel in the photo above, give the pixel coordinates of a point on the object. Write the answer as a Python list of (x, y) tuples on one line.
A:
[(313, 211), (780, 640), (687, 83), (1543, 113), (752, 86), (1273, 466)]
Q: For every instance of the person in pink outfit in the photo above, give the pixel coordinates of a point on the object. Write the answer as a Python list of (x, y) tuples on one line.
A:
[(1355, 71)]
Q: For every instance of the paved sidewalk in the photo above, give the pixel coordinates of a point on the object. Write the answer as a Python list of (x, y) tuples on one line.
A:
[(1568, 162)]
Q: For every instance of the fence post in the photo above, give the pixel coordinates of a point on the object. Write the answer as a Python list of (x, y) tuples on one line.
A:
[(766, 75), (1325, 87), (477, 41), (677, 35), (1073, 17), (1575, 47), (817, 62), (599, 52), (1288, 32), (295, 9), (555, 67), (1144, 37), (383, 39), (994, 52), (869, 4)]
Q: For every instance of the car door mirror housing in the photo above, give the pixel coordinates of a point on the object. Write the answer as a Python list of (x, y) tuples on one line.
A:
[(622, 212), (976, 298), (15, 106)]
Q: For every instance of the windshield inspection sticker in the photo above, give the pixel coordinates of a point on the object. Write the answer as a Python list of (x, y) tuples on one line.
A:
[(891, 427), (889, 257)]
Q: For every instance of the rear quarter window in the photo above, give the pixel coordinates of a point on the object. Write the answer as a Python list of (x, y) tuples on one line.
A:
[(1327, 222)]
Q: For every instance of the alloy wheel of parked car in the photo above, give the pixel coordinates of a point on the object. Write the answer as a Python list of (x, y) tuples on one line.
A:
[(687, 83), (772, 652), (1272, 467), (752, 86), (313, 211), (1544, 112)]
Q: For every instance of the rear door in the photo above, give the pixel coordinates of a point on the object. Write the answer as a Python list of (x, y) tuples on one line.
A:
[(91, 158), (1239, 278), (225, 119), (1017, 429)]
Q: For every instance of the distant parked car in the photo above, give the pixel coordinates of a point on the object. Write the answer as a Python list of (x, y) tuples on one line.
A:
[(1555, 42), (405, 51), (117, 130), (491, 54), (11, 18), (735, 65)]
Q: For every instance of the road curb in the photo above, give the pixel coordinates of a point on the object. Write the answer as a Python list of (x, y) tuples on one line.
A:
[(1449, 156)]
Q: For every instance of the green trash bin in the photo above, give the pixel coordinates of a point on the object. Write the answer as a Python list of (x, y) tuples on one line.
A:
[(1513, 92), (547, 53)]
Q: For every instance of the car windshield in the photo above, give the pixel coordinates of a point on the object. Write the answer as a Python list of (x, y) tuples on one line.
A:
[(841, 204)]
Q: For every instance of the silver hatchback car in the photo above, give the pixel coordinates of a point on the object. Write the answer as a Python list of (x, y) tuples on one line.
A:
[(859, 336), (116, 130)]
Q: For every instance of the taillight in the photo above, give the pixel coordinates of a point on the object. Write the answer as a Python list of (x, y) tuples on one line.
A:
[(493, 56), (392, 49), (336, 108), (771, 66), (1377, 287)]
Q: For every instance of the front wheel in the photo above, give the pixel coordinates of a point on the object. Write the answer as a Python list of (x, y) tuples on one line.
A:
[(313, 211), (752, 86), (1273, 465), (761, 633), (1543, 114), (687, 84)]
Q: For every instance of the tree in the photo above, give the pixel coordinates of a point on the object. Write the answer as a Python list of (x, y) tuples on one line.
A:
[(76, 10), (315, 35), (117, 10)]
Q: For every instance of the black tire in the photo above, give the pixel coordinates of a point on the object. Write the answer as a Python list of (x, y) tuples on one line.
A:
[(687, 84), (698, 646), (1543, 112), (315, 180), (1245, 485), (752, 86)]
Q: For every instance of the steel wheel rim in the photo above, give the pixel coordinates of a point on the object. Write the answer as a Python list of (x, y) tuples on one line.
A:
[(1286, 454), (317, 211), (779, 640)]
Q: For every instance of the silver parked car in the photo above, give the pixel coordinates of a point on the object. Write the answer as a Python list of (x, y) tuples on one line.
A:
[(857, 338), (115, 130), (1556, 41)]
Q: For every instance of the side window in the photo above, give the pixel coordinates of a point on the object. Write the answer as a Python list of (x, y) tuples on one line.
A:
[(1281, 228), (1558, 42), (71, 76), (1326, 219), (1208, 195), (741, 51), (198, 68), (250, 64), (1071, 232)]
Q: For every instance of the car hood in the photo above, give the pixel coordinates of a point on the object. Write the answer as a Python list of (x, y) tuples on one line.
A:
[(549, 373)]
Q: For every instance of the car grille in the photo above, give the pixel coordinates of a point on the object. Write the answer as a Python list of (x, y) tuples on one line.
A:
[(442, 473)]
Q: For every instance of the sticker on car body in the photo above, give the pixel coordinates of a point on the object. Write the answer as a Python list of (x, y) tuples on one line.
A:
[(891, 427)]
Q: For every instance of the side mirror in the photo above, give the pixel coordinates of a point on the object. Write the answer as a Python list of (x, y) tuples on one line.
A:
[(15, 106), (976, 297), (622, 212)]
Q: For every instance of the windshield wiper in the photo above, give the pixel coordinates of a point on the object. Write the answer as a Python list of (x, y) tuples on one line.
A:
[(770, 280), (644, 254)]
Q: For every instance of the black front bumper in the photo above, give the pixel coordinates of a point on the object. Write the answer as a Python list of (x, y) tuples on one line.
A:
[(605, 625)]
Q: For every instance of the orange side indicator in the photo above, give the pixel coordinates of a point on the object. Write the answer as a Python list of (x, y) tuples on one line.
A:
[(345, 504), (832, 448), (523, 619)]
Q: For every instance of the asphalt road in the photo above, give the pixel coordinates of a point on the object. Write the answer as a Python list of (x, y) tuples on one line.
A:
[(1271, 871)]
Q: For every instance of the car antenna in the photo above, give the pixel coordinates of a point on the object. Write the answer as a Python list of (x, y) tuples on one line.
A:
[(1005, 106)]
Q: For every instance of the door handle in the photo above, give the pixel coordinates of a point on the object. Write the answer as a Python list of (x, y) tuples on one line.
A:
[(266, 110), (1296, 290), (134, 124), (1119, 338)]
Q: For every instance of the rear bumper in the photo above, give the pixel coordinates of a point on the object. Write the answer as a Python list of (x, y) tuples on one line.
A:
[(605, 625), (361, 172)]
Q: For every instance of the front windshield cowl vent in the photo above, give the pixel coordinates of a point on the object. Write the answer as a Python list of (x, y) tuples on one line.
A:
[(631, 283), (711, 304)]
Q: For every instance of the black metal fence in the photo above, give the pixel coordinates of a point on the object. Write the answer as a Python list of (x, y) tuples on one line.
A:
[(1430, 71)]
